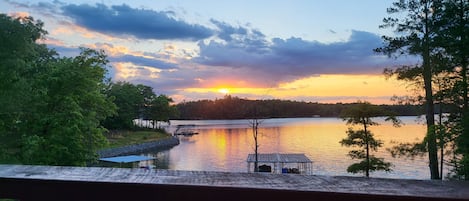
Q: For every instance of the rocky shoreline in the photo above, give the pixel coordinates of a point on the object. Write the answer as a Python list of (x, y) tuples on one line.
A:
[(138, 148)]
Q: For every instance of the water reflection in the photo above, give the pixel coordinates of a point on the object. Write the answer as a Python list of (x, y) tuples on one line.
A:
[(223, 145)]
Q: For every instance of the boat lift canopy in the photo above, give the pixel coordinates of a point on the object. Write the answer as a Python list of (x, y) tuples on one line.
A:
[(127, 159), (280, 161)]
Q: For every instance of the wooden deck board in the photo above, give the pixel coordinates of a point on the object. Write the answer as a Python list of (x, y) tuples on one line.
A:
[(338, 184)]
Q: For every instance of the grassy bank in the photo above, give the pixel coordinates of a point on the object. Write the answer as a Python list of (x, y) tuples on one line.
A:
[(124, 138)]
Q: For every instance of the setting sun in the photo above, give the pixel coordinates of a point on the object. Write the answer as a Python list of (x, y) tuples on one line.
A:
[(224, 90)]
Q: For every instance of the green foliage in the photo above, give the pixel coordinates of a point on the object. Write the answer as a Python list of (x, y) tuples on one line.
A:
[(360, 139), (18, 56), (53, 106), (65, 126), (409, 150), (137, 102), (454, 39), (376, 164), (128, 99), (160, 109), (361, 114)]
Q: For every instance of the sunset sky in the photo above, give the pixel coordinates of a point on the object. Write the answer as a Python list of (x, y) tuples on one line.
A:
[(306, 50)]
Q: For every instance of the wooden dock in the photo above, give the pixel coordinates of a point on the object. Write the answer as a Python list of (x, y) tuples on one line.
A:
[(24, 182)]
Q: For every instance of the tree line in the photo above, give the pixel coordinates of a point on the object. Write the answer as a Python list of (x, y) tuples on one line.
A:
[(55, 110), (231, 107)]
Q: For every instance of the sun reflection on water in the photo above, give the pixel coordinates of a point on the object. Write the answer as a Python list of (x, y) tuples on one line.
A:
[(224, 145)]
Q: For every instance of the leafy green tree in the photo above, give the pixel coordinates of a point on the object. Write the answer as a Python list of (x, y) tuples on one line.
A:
[(19, 56), (416, 30), (361, 114), (147, 96), (137, 102), (129, 101), (161, 110), (65, 128), (53, 106)]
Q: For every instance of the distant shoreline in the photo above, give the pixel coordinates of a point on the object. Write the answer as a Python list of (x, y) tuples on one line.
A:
[(293, 117), (238, 108)]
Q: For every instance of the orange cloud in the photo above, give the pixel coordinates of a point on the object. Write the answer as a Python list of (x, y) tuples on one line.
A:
[(114, 50), (124, 71), (52, 41), (66, 30), (19, 14)]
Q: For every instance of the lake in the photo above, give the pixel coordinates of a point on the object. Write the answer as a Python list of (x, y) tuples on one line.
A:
[(223, 145)]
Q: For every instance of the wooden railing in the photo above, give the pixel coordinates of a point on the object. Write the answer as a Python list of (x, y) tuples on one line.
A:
[(72, 183)]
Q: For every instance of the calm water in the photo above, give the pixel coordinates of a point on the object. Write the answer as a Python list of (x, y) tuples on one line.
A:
[(223, 145)]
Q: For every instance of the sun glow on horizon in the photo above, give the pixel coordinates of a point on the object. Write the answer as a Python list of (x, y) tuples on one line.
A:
[(324, 89), (224, 91)]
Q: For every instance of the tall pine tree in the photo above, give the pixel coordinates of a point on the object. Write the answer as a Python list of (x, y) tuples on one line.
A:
[(416, 32)]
